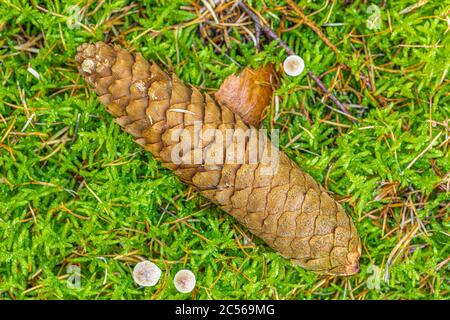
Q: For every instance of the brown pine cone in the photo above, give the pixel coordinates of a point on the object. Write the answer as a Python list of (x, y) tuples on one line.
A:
[(211, 148)]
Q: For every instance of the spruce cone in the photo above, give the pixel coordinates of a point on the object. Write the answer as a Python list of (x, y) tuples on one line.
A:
[(282, 205)]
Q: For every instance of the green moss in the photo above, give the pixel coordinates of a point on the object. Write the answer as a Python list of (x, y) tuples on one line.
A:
[(92, 198)]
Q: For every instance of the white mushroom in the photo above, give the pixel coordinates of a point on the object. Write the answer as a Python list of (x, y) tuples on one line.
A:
[(146, 274), (184, 281), (293, 65)]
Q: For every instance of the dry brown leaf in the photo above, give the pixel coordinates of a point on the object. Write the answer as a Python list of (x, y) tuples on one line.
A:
[(249, 93)]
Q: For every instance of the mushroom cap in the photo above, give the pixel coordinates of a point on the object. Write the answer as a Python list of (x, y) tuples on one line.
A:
[(184, 281), (146, 274), (293, 65)]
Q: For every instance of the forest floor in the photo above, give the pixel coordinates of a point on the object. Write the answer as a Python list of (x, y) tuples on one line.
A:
[(78, 195)]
